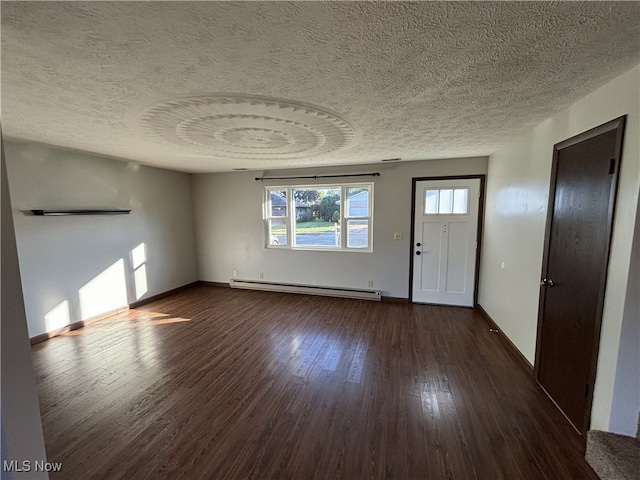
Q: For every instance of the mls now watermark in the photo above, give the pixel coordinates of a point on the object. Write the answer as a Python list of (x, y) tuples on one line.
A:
[(29, 466)]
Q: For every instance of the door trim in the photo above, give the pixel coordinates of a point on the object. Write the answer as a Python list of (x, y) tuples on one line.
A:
[(482, 178), (617, 124)]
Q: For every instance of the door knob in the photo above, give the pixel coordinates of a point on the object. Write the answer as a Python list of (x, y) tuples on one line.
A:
[(418, 244), (546, 282), (418, 252)]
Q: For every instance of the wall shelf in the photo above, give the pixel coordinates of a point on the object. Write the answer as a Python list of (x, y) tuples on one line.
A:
[(63, 212)]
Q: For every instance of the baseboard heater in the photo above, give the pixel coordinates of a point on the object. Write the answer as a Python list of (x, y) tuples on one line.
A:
[(306, 289)]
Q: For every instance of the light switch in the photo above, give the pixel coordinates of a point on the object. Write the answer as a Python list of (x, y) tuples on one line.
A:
[(397, 235)]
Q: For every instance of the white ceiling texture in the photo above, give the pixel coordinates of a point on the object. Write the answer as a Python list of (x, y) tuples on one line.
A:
[(217, 86)]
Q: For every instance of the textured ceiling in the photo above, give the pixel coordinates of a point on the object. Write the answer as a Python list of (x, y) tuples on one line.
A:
[(213, 86)]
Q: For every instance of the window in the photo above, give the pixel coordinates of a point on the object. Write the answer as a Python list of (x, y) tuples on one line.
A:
[(327, 217), (446, 201), (277, 217)]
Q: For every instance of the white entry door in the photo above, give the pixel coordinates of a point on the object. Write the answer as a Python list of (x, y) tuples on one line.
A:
[(445, 241)]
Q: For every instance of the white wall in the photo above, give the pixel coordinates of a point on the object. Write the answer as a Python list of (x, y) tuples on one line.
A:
[(76, 267), (230, 233), (625, 408), (516, 209), (22, 438)]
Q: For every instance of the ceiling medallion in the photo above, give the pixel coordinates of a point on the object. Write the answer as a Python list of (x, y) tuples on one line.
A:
[(242, 126)]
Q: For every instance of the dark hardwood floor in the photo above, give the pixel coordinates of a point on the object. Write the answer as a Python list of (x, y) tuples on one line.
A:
[(221, 383)]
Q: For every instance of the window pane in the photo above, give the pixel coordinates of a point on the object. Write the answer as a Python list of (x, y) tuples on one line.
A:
[(278, 203), (460, 200), (304, 201), (358, 202), (357, 233), (278, 232), (446, 201), (317, 217), (431, 201)]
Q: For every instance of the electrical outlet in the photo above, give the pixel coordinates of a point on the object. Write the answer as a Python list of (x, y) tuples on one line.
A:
[(261, 275), (172, 278), (370, 283), (235, 273), (397, 235)]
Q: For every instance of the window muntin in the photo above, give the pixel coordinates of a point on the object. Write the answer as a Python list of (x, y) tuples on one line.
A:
[(316, 217), (446, 201)]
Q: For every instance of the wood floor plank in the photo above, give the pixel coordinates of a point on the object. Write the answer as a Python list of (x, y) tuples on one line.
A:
[(220, 383)]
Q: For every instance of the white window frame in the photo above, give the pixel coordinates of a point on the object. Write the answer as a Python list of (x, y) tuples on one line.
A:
[(268, 215), (290, 218)]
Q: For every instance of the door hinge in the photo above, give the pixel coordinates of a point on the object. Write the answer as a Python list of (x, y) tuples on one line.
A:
[(612, 166)]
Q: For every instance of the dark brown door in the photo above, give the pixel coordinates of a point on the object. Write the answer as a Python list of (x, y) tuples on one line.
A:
[(581, 204)]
